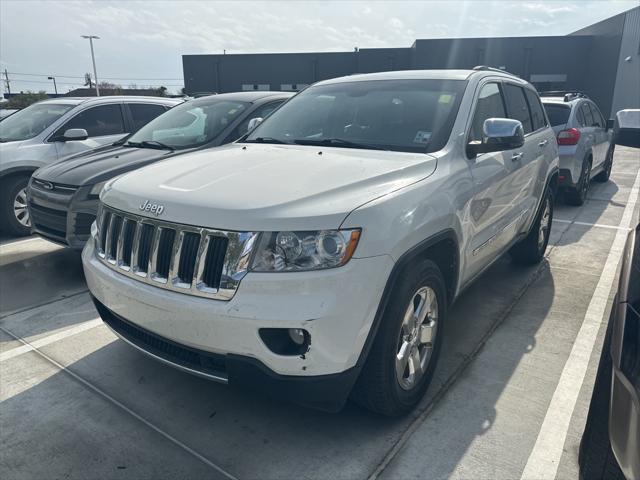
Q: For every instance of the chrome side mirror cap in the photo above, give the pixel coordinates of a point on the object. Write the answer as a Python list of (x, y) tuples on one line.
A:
[(498, 134)]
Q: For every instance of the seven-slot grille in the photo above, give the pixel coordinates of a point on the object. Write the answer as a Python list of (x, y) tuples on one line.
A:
[(192, 260)]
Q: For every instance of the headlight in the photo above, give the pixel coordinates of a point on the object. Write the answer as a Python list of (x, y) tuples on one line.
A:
[(299, 251), (97, 188)]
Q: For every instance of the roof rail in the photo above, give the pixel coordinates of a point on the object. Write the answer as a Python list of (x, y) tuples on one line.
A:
[(490, 69), (567, 95)]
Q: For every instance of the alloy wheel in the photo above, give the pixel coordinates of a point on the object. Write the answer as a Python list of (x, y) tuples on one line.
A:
[(20, 209), (417, 338), (585, 180), (545, 223)]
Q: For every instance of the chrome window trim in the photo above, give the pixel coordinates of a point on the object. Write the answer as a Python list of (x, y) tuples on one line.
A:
[(235, 264)]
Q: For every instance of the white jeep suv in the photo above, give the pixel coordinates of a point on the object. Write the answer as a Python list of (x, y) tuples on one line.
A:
[(317, 257)]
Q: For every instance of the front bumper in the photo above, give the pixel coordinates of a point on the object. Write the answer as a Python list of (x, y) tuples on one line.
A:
[(336, 306), (62, 216)]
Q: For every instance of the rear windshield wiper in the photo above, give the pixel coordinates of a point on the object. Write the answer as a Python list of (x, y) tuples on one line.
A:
[(267, 140), (150, 144), (338, 142)]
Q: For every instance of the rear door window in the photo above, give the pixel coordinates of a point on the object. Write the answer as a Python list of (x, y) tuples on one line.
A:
[(598, 121), (537, 114), (143, 113), (558, 114), (517, 107), (588, 116), (580, 118), (489, 105), (98, 121)]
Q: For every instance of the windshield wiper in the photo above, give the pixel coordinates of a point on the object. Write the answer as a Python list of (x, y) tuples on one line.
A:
[(150, 144), (338, 142), (267, 140)]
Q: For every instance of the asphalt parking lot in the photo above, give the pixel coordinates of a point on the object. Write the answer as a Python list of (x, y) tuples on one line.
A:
[(509, 400)]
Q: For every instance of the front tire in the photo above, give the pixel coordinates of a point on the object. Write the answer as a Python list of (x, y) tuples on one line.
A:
[(530, 250), (14, 215), (404, 354)]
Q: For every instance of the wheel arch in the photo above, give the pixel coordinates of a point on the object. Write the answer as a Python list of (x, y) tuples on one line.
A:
[(441, 248), (12, 172)]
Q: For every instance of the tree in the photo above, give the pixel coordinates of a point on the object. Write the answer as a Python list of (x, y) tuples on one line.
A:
[(109, 85), (161, 91), (23, 99)]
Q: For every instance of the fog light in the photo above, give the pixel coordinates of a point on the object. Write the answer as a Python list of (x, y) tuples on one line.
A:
[(297, 336), (286, 341)]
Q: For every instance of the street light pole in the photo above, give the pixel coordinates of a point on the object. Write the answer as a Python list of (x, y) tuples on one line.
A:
[(55, 88), (93, 59)]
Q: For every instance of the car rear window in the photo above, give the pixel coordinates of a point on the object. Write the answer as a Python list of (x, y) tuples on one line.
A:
[(558, 114)]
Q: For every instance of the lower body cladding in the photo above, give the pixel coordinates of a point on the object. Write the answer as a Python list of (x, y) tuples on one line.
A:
[(233, 342)]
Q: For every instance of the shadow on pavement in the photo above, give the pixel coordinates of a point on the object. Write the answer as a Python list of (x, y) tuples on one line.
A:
[(250, 435)]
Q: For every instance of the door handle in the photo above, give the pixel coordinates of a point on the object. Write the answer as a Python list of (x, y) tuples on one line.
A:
[(543, 143), (517, 156)]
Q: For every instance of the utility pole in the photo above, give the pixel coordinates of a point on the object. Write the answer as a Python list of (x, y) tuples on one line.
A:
[(93, 59), (55, 88), (6, 79)]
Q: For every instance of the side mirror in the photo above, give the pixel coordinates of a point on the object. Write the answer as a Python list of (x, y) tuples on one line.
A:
[(253, 123), (75, 134), (610, 124), (627, 131), (499, 134)]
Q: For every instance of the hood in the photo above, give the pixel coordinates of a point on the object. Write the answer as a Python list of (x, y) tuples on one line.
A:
[(267, 187), (99, 165)]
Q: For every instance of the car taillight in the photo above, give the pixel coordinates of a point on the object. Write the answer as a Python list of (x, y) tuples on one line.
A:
[(569, 137)]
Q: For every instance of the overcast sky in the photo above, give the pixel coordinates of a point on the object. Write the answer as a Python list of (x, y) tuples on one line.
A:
[(142, 42)]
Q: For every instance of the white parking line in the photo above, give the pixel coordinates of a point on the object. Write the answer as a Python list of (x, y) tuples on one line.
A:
[(545, 457), (49, 339), (119, 404), (586, 224)]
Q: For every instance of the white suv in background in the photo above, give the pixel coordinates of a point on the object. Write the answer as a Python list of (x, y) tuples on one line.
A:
[(317, 257), (53, 129)]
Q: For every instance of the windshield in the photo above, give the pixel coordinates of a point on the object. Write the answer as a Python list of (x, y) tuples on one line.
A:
[(189, 124), (558, 114), (399, 115), (31, 121)]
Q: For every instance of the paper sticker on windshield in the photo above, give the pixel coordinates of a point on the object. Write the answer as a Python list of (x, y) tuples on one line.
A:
[(422, 137), (445, 98)]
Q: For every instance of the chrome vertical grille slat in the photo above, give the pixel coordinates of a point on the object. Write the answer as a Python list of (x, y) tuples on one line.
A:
[(175, 258), (109, 239), (135, 247), (153, 256), (197, 282), (120, 244), (192, 260)]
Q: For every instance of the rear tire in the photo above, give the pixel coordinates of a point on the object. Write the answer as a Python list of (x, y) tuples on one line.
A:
[(14, 216), (530, 250), (577, 196), (386, 384), (604, 175)]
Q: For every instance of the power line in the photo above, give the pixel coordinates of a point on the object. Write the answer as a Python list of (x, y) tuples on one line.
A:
[(105, 78), (18, 80)]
